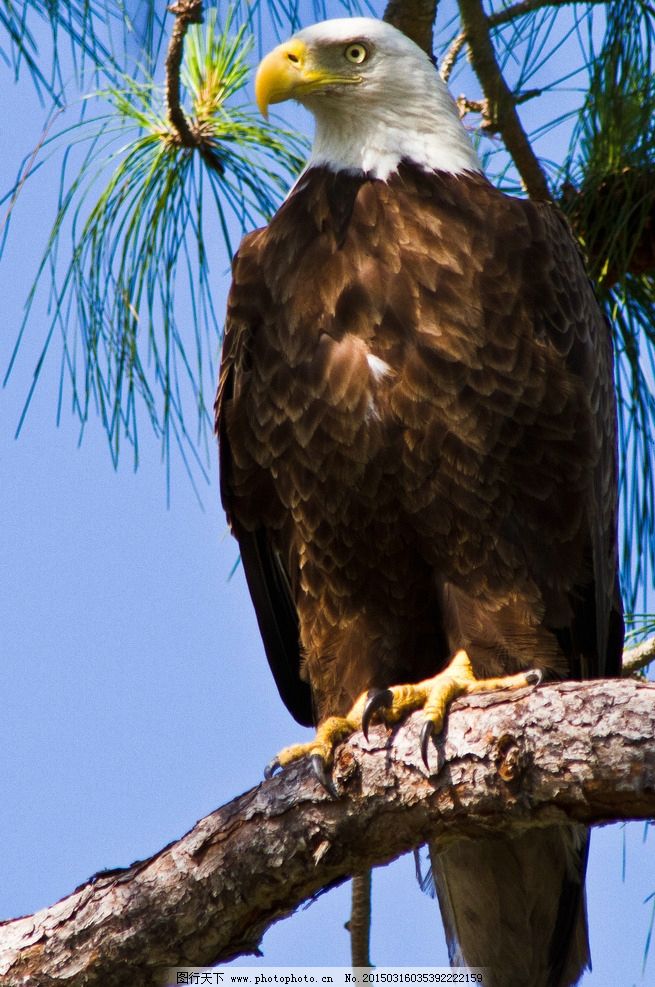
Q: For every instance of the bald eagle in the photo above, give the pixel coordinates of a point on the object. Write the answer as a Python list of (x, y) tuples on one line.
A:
[(417, 434)]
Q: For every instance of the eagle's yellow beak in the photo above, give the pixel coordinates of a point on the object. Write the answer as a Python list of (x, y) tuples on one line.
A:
[(283, 74), (289, 72)]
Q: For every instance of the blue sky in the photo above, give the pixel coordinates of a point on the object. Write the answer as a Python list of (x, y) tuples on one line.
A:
[(136, 696)]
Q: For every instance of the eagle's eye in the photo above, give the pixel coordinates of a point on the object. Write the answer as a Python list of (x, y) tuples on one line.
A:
[(356, 53)]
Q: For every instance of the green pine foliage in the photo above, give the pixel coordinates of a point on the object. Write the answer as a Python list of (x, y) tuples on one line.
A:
[(136, 218), (608, 191)]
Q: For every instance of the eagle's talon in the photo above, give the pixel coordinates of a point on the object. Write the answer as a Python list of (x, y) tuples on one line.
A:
[(534, 677), (319, 771), (427, 732), (377, 699), (271, 768)]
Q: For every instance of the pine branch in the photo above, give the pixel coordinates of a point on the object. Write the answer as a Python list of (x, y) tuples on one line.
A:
[(184, 132), (415, 18), (572, 752), (450, 58), (637, 658), (615, 219), (186, 12), (502, 104), (524, 7)]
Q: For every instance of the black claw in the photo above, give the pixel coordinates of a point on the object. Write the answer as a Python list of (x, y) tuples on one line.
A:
[(534, 677), (271, 768), (427, 731), (377, 699), (320, 773)]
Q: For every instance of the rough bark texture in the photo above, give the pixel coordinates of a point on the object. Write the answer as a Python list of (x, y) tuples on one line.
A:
[(186, 12), (570, 751), (415, 18)]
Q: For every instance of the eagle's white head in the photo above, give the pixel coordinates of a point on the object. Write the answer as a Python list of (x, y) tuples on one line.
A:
[(375, 95)]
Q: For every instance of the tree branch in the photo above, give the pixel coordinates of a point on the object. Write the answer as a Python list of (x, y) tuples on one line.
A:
[(451, 56), (572, 752), (500, 99), (524, 7), (415, 18), (186, 12), (637, 658)]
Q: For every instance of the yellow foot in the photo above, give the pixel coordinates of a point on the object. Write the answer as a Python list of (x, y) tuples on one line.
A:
[(390, 705), (435, 695), (320, 750)]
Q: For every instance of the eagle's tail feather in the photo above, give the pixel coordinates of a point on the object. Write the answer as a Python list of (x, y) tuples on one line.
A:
[(515, 904)]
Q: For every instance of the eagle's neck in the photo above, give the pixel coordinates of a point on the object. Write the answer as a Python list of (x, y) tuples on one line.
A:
[(374, 136)]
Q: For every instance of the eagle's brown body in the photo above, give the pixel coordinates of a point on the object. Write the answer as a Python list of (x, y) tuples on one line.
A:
[(417, 432)]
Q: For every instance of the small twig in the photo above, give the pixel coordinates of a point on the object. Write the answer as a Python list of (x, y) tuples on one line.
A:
[(496, 20), (186, 12), (501, 101), (527, 95), (185, 132), (359, 925), (639, 657), (527, 7), (481, 106), (451, 56)]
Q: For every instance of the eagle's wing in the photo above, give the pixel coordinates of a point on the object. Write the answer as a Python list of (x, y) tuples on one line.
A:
[(568, 313), (255, 516), (532, 883), (512, 355)]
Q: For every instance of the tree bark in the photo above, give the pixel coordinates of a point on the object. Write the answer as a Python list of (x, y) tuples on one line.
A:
[(186, 12), (415, 18), (501, 102), (580, 752)]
